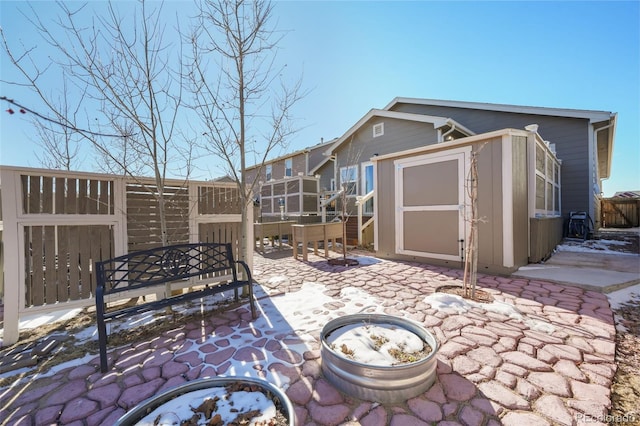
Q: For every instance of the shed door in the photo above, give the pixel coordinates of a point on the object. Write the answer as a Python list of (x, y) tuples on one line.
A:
[(430, 200)]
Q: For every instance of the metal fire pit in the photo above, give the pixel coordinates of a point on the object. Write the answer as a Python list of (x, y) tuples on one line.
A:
[(145, 407), (383, 384)]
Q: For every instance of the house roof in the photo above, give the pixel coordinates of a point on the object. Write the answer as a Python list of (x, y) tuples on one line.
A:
[(594, 116), (293, 154), (437, 122), (604, 120), (627, 194)]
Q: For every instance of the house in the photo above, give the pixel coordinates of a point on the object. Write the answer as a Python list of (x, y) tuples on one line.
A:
[(573, 150), (287, 180)]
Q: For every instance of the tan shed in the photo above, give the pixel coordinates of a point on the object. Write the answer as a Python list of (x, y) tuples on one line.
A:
[(422, 202)]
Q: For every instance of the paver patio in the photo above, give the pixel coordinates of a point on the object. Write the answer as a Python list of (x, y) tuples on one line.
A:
[(552, 364)]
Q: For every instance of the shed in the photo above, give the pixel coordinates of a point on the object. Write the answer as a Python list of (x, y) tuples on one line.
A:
[(422, 204)]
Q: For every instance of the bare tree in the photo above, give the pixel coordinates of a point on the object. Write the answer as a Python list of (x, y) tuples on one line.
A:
[(244, 105), (124, 78), (348, 183), (470, 277), (61, 145)]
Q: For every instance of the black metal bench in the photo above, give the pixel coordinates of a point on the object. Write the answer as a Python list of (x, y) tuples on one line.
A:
[(144, 272)]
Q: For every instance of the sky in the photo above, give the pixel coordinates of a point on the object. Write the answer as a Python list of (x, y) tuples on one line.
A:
[(355, 56)]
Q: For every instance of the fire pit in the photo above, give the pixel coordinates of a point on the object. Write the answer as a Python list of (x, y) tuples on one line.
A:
[(377, 357), (222, 396)]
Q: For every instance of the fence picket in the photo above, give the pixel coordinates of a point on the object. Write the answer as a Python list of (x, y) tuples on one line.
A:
[(50, 260)]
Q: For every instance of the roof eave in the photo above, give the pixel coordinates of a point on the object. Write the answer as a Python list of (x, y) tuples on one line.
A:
[(559, 112)]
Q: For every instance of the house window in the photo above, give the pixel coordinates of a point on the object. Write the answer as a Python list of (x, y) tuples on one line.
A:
[(547, 178), (332, 185), (349, 179), (268, 171), (378, 130), (367, 186), (288, 167)]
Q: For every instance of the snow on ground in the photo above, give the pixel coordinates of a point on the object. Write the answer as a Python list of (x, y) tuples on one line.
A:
[(30, 322), (619, 298), (594, 246), (299, 314), (452, 302)]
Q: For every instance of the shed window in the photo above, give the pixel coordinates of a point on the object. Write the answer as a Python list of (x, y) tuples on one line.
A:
[(288, 167), (547, 178), (378, 130)]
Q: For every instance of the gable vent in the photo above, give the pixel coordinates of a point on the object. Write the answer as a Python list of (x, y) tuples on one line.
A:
[(378, 130)]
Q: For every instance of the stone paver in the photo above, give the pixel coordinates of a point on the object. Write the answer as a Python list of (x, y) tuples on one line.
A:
[(492, 369)]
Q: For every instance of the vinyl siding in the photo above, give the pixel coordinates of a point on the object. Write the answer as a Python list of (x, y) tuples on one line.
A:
[(520, 200), (299, 163), (570, 135), (399, 135), (490, 233)]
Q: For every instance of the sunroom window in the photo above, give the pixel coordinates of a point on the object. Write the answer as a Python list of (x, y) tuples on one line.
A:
[(548, 188)]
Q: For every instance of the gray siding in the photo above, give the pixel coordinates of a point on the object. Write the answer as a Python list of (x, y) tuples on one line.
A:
[(490, 250), (520, 200), (299, 163), (399, 135), (570, 135)]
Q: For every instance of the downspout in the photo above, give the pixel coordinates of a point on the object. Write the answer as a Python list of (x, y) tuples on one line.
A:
[(448, 132)]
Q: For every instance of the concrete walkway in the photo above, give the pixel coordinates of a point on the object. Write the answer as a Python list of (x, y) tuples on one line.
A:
[(604, 272), (552, 364)]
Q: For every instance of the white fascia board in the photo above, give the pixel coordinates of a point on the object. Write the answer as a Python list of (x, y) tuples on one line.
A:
[(454, 143), (289, 155), (460, 127), (558, 112)]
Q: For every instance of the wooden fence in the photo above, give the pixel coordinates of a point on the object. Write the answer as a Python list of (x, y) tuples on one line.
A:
[(55, 225), (620, 212)]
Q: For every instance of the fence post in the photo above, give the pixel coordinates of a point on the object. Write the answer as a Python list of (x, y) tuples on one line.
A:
[(14, 291)]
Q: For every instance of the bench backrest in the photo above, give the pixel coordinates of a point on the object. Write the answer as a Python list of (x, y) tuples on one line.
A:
[(165, 264)]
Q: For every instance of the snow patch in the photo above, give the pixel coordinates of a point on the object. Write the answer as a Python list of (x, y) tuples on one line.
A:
[(444, 302), (371, 343), (178, 409)]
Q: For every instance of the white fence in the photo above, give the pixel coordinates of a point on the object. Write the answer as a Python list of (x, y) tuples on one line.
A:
[(55, 225)]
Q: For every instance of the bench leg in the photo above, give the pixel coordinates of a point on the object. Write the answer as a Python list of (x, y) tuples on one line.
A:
[(102, 337)]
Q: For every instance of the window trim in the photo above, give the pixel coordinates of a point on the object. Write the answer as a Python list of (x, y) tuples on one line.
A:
[(354, 178), (368, 206), (550, 175)]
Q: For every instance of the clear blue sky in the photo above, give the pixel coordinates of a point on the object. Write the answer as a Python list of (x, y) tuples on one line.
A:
[(360, 55)]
